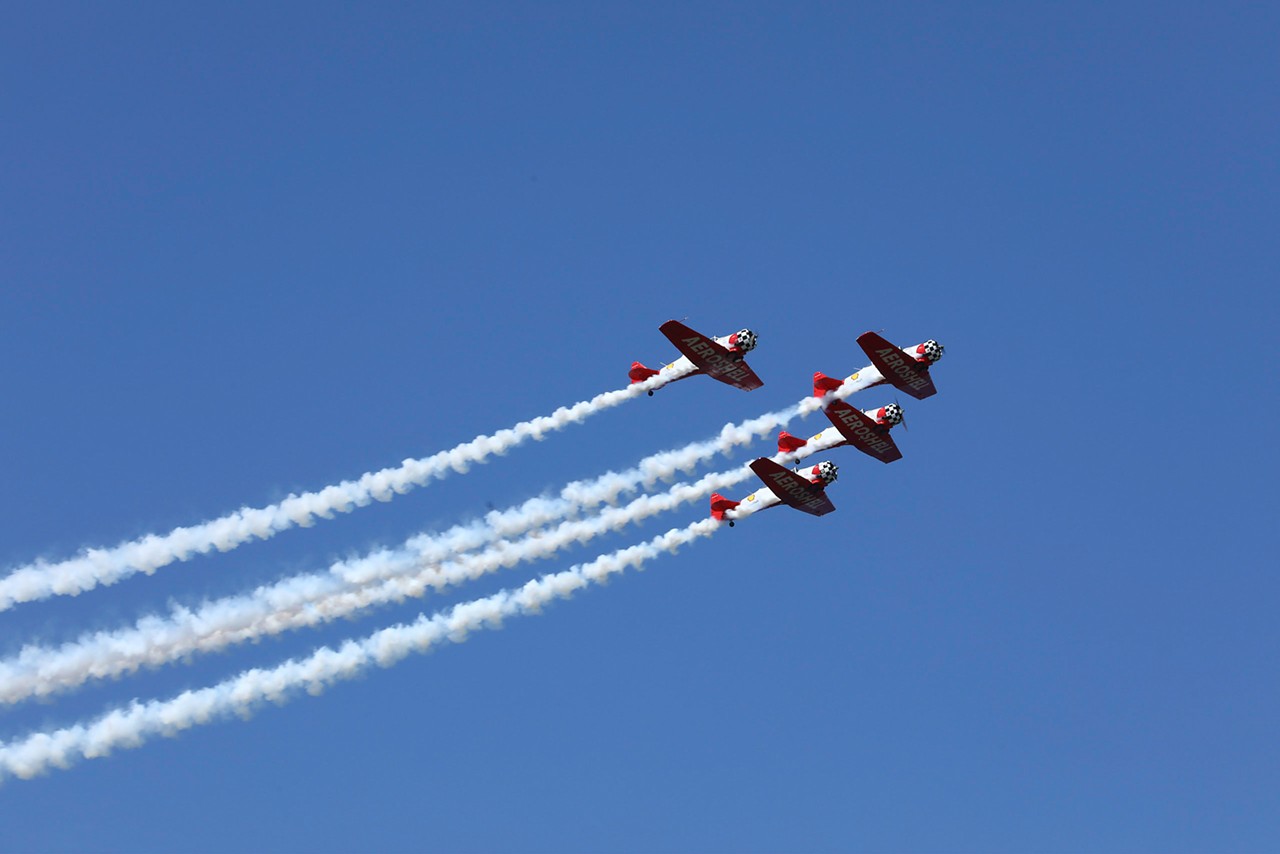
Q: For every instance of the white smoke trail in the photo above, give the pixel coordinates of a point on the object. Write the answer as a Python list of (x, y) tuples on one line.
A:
[(408, 571), (389, 576), (155, 640), (95, 567), (132, 725)]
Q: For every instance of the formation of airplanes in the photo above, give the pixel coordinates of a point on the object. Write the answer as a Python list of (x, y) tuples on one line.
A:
[(906, 369)]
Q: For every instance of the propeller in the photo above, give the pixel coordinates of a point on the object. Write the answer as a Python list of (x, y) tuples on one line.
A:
[(902, 412)]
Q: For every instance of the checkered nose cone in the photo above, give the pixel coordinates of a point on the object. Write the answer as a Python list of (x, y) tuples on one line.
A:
[(932, 350), (744, 340), (893, 414), (827, 471)]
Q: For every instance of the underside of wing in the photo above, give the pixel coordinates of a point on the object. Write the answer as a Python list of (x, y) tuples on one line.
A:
[(711, 358), (905, 373), (792, 489), (861, 432)]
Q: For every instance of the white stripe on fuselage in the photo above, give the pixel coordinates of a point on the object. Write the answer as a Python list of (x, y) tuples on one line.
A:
[(756, 501), (678, 369)]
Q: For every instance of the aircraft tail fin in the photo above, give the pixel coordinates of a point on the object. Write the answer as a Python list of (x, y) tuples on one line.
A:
[(823, 383), (788, 443), (719, 504), (639, 373)]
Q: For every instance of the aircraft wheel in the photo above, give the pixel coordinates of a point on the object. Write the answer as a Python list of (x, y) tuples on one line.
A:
[(730, 523), (650, 394)]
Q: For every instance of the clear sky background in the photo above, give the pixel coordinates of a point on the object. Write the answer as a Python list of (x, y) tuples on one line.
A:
[(253, 249)]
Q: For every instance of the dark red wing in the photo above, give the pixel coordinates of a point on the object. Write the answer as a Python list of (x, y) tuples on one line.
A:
[(863, 433), (711, 358), (792, 489), (897, 367)]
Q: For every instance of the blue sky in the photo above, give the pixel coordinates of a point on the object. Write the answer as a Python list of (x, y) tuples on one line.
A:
[(254, 250)]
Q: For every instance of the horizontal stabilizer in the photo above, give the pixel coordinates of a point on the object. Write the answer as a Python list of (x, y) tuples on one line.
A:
[(823, 383), (788, 443), (639, 373), (719, 504)]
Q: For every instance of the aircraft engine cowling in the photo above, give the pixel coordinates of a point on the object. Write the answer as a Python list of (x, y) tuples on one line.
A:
[(744, 341), (929, 352), (889, 416), (824, 473)]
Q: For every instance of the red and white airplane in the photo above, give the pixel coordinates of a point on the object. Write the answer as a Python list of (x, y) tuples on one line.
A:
[(866, 430), (906, 368), (718, 358), (803, 489)]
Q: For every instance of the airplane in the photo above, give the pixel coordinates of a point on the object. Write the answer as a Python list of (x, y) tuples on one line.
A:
[(868, 431), (910, 375), (802, 489), (719, 358)]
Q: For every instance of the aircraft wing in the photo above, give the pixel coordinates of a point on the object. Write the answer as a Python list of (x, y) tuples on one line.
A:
[(863, 433), (711, 358), (897, 367), (792, 489)]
